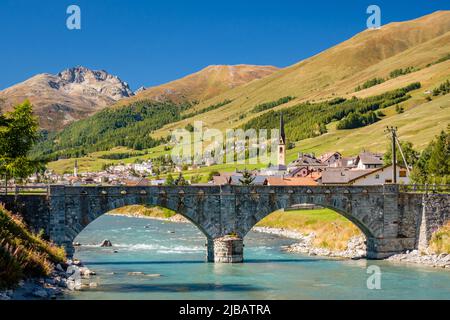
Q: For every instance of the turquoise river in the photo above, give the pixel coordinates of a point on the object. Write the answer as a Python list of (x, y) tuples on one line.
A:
[(176, 252)]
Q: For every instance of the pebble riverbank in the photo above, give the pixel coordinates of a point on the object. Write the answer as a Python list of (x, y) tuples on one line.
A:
[(356, 249), (64, 278)]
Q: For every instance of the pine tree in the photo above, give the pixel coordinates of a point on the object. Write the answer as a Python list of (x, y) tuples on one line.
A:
[(169, 180), (247, 178), (439, 163)]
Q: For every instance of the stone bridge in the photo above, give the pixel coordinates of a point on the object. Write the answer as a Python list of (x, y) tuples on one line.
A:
[(392, 221)]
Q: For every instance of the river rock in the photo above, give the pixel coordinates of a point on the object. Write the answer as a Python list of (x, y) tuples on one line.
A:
[(59, 268), (40, 293), (153, 275), (74, 285), (106, 243), (4, 296)]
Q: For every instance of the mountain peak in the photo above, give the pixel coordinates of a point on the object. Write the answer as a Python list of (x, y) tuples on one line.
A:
[(67, 96)]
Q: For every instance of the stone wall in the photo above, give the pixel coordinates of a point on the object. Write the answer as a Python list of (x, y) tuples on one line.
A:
[(33, 208)]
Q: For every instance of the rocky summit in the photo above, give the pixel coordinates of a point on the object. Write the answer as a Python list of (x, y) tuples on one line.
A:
[(68, 96)]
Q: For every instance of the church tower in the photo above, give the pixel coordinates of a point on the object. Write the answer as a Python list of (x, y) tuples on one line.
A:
[(75, 169), (282, 143)]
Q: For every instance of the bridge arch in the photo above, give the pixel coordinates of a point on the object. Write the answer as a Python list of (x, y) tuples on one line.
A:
[(364, 207), (359, 224), (88, 204)]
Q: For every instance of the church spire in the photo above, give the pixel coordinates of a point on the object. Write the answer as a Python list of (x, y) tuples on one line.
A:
[(282, 144), (282, 134), (75, 169)]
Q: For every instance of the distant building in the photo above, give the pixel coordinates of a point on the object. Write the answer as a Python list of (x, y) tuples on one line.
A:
[(382, 176), (305, 164), (282, 144), (75, 169), (286, 181), (157, 182), (344, 162), (330, 158), (363, 177), (369, 160), (280, 168)]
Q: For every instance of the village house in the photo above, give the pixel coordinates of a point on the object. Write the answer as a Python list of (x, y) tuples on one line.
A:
[(366, 177), (290, 181), (369, 160), (330, 158)]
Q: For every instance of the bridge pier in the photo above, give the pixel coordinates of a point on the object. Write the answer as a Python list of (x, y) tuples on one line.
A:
[(384, 248), (227, 249)]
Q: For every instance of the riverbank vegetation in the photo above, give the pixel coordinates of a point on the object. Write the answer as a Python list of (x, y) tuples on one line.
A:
[(144, 211), (22, 253), (332, 231), (440, 241)]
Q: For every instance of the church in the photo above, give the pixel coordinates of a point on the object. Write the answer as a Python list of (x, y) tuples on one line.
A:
[(280, 168)]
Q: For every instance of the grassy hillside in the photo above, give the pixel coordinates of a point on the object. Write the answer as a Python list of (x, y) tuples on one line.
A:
[(419, 46), (339, 70), (420, 115), (23, 254), (203, 85)]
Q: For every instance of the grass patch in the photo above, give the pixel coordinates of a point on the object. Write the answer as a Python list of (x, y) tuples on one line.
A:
[(147, 211), (332, 230), (22, 253), (440, 241)]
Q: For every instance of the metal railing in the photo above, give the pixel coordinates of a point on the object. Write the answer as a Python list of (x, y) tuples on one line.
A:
[(25, 190), (425, 188)]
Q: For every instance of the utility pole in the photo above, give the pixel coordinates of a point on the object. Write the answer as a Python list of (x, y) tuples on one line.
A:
[(393, 132)]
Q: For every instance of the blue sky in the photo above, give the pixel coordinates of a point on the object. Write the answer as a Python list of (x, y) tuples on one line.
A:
[(152, 42)]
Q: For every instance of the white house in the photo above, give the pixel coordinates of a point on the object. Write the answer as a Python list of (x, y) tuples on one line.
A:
[(381, 176), (368, 160)]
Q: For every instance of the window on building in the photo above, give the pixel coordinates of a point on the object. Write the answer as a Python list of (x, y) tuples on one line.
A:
[(402, 173), (377, 176)]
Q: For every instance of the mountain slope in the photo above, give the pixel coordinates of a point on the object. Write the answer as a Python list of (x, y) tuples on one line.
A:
[(419, 43), (67, 96), (205, 84), (338, 70)]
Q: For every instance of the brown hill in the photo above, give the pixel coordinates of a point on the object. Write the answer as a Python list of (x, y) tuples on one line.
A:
[(205, 84), (338, 70), (70, 95)]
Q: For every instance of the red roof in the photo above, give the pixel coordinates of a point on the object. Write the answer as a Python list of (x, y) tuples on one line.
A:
[(297, 181)]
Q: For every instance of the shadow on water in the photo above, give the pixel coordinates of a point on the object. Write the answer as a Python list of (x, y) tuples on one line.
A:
[(186, 287), (247, 261)]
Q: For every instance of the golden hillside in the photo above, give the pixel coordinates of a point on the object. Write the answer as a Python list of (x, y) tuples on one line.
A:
[(338, 70), (205, 84)]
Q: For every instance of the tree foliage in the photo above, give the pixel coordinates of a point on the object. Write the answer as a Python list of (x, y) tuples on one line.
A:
[(18, 133), (129, 126), (433, 165), (247, 178), (272, 104), (410, 154), (308, 120)]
